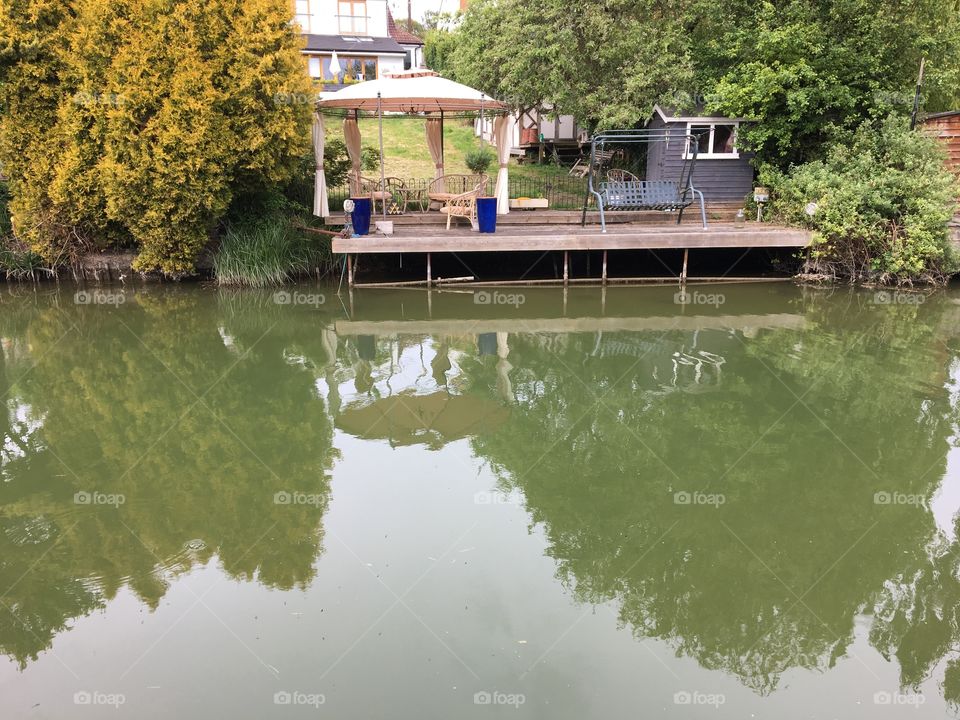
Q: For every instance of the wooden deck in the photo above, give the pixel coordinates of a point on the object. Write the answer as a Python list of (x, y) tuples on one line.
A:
[(538, 238), (516, 233)]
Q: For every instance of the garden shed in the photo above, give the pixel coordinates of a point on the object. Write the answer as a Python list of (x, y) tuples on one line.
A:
[(946, 127), (723, 173)]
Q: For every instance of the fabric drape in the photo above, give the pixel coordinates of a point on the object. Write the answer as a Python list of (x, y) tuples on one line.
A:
[(351, 136), (321, 203), (435, 145), (503, 134)]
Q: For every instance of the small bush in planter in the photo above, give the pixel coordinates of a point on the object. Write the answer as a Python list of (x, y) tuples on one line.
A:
[(479, 160)]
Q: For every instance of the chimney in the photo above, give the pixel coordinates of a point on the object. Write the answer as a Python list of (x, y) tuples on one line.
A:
[(410, 16)]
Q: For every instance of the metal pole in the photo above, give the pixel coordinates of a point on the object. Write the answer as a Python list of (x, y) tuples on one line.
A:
[(481, 122), (916, 97), (383, 175), (683, 273)]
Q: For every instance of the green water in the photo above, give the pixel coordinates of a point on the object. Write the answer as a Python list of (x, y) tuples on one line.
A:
[(528, 504)]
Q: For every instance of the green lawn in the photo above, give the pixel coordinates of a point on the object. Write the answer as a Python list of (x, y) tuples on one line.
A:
[(406, 154)]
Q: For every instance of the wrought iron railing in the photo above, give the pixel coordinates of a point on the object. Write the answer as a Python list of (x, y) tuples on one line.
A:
[(563, 192)]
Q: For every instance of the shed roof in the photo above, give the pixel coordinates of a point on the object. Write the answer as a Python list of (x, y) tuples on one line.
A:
[(670, 115), (356, 45)]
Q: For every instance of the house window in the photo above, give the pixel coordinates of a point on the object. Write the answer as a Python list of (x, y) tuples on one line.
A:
[(303, 14), (715, 141), (353, 17), (352, 69)]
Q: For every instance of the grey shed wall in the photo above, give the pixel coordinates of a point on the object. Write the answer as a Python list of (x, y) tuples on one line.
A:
[(718, 180)]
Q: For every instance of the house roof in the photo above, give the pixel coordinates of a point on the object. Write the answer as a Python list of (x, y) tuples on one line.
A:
[(402, 36), (354, 45), (695, 115)]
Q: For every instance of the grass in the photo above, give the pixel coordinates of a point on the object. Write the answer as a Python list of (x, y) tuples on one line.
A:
[(406, 154), (267, 253)]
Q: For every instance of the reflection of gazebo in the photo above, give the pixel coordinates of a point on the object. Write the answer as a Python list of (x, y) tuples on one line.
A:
[(421, 93), (433, 419)]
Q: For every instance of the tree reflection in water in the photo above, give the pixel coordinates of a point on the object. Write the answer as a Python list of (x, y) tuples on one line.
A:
[(199, 409)]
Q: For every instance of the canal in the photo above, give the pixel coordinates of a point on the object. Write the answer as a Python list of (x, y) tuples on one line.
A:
[(739, 501)]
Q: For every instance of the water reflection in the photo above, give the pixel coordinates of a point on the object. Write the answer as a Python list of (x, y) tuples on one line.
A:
[(743, 482)]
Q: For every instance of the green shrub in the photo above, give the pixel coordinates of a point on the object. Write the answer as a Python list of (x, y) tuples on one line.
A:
[(479, 160), (267, 252), (369, 159), (139, 121), (881, 204)]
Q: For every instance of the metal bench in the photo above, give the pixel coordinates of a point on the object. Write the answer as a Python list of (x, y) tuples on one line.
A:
[(647, 195), (616, 189)]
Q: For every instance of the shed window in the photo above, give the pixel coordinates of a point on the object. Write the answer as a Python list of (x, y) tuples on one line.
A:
[(716, 141)]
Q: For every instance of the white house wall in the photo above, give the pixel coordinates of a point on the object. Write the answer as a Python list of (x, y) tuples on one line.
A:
[(321, 17)]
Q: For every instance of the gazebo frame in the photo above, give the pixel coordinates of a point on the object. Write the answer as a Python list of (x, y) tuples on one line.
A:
[(379, 97)]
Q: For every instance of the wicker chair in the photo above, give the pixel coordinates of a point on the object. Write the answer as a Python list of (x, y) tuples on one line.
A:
[(464, 204), (619, 175), (393, 194), (441, 190)]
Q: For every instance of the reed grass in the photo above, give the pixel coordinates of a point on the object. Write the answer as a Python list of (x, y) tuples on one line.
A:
[(268, 253)]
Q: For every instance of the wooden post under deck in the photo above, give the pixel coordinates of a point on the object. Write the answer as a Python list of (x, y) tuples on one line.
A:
[(566, 266), (349, 270), (683, 273), (604, 267), (429, 271)]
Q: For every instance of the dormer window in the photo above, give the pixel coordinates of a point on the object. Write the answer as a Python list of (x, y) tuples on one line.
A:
[(353, 17)]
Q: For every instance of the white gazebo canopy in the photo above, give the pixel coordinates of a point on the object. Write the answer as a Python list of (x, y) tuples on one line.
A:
[(415, 92)]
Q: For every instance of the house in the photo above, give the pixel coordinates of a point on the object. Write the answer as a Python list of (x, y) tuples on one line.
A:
[(946, 127), (536, 131), (412, 44), (357, 33), (723, 172)]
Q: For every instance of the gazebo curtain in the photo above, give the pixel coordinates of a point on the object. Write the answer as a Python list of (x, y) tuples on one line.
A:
[(351, 136), (321, 204), (435, 145), (502, 132)]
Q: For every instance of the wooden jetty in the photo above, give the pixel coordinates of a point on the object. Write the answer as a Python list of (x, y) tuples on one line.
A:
[(555, 232)]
